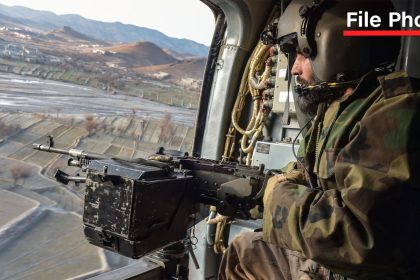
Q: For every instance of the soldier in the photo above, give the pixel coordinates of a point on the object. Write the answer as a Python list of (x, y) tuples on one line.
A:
[(352, 213)]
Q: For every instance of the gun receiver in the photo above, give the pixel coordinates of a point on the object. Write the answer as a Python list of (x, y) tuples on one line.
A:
[(136, 206)]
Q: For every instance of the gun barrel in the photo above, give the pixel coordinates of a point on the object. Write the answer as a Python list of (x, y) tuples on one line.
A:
[(49, 149), (72, 152)]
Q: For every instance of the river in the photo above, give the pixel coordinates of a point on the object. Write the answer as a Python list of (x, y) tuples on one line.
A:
[(34, 95)]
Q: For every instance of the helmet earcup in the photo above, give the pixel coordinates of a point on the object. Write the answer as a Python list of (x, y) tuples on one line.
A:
[(319, 36)]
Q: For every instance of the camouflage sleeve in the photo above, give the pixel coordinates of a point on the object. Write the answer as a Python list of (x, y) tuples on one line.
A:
[(370, 221), (293, 172)]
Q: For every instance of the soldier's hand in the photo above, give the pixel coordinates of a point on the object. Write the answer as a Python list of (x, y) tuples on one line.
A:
[(256, 212), (280, 177), (271, 183)]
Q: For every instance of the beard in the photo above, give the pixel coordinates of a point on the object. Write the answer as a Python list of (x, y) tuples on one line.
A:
[(308, 102)]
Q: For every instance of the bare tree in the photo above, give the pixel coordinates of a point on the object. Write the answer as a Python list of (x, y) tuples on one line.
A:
[(90, 124), (6, 130), (103, 127), (120, 130), (72, 121), (166, 128), (57, 111), (19, 171)]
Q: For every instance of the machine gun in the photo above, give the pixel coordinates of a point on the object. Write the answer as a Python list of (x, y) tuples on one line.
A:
[(136, 206)]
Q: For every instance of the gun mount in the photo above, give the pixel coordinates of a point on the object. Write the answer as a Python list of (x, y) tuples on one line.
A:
[(136, 206)]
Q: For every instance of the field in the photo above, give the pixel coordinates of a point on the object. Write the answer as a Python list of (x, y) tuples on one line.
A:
[(43, 238), (53, 249), (124, 100)]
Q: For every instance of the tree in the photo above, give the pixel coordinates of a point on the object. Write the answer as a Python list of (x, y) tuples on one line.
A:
[(20, 171), (90, 124), (166, 128)]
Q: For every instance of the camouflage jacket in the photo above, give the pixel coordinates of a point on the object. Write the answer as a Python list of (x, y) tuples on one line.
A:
[(363, 220)]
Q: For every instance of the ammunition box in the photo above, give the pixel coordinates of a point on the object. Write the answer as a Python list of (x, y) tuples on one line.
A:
[(133, 209)]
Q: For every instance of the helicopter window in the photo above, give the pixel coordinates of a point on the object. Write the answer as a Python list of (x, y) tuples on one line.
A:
[(119, 80)]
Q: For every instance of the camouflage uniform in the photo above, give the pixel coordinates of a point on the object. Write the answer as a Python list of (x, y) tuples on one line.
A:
[(362, 221)]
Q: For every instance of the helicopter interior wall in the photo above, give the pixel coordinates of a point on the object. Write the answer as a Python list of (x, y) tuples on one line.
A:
[(245, 19), (410, 52), (409, 60)]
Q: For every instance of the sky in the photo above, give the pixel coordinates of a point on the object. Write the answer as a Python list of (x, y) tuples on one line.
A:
[(189, 19)]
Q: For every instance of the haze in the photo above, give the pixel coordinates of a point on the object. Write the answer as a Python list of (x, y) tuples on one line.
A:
[(189, 19)]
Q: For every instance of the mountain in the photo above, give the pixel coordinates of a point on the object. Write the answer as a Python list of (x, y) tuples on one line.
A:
[(140, 54), (190, 68), (179, 56), (69, 34), (104, 31), (9, 21)]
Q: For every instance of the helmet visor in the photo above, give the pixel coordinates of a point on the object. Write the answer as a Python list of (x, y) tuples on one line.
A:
[(289, 47), (289, 43)]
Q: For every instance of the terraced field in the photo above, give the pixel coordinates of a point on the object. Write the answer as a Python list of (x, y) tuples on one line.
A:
[(40, 224), (14, 206), (49, 243), (54, 249)]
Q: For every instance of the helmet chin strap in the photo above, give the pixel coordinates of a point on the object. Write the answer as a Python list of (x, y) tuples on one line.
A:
[(323, 87)]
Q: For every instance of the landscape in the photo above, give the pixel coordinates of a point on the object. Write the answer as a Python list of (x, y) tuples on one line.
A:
[(109, 88)]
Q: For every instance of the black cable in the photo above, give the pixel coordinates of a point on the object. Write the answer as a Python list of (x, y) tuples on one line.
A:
[(293, 146)]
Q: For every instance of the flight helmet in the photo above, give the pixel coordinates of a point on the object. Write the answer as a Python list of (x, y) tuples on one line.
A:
[(315, 29)]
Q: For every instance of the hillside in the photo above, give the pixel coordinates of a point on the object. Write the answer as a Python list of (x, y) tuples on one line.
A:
[(105, 31), (10, 22), (66, 54), (69, 34), (140, 54), (191, 68)]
